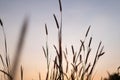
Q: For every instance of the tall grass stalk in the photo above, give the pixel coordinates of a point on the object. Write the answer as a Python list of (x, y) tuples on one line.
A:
[(81, 68)]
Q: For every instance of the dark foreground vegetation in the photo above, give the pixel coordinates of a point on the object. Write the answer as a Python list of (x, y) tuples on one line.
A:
[(114, 76)]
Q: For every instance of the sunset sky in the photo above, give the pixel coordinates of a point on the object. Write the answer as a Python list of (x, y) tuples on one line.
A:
[(102, 15)]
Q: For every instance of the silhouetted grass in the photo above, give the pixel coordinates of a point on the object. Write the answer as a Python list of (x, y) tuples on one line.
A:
[(8, 70), (82, 69)]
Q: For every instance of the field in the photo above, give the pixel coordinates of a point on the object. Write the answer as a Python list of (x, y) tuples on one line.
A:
[(80, 65)]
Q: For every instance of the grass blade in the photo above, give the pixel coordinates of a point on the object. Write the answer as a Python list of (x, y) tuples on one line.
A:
[(56, 21), (2, 60), (1, 23), (87, 68), (95, 60), (90, 41), (39, 76), (60, 5), (56, 50), (7, 62), (87, 31), (87, 55), (10, 77), (19, 47), (21, 69), (66, 62), (5, 41), (44, 52), (101, 54), (46, 29)]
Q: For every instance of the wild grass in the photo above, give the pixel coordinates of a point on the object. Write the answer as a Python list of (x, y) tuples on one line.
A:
[(82, 68), (9, 70)]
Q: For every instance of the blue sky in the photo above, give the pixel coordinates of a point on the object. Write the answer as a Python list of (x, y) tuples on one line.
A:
[(102, 15)]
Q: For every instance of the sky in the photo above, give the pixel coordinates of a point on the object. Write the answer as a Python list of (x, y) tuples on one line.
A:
[(102, 15)]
